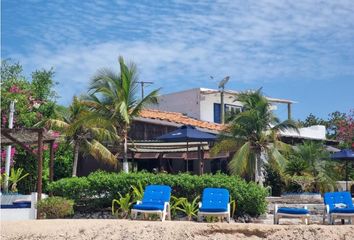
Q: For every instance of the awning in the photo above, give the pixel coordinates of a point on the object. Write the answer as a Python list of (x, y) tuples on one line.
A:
[(146, 155), (174, 155), (129, 156), (166, 147), (220, 155)]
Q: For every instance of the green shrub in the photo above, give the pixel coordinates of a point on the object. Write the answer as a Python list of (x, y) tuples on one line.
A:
[(274, 180), (100, 188), (55, 207)]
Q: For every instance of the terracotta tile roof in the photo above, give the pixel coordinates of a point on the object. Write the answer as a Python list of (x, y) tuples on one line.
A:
[(179, 118)]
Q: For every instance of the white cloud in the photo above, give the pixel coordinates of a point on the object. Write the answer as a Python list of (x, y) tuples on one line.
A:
[(184, 41)]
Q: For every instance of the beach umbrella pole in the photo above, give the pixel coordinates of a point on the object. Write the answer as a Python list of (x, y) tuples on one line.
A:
[(187, 156), (346, 175)]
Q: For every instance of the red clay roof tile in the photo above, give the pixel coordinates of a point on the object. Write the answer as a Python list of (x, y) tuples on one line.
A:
[(179, 118)]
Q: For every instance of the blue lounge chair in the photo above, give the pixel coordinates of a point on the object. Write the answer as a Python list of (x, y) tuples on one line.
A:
[(215, 202), (338, 205), (156, 200), (287, 212)]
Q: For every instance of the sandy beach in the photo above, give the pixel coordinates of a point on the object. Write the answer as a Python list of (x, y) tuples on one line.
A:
[(149, 230)]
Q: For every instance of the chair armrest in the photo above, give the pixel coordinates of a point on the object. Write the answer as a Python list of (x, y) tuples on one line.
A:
[(327, 208), (305, 207), (200, 204), (139, 202), (275, 208)]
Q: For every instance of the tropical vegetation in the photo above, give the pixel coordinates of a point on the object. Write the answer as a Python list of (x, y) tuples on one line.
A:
[(55, 207), (103, 117), (310, 167), (253, 134), (113, 97), (190, 209), (99, 188), (82, 129)]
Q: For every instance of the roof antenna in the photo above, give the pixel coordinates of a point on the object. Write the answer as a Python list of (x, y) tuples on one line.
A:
[(222, 84), (142, 87)]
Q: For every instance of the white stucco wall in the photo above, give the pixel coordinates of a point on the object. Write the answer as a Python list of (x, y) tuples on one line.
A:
[(186, 102), (313, 132), (207, 104), (196, 103)]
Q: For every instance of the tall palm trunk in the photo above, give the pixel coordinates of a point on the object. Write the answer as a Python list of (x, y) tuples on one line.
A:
[(76, 157), (125, 154), (258, 168)]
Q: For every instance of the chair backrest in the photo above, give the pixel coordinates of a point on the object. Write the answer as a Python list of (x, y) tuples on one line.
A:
[(157, 194), (215, 197), (332, 198)]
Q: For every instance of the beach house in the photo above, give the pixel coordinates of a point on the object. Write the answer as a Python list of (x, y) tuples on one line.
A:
[(205, 104)]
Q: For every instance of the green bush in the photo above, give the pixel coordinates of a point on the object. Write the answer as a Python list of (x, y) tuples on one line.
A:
[(55, 207), (100, 188)]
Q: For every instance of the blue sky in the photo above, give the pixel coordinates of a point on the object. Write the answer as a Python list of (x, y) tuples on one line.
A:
[(300, 50)]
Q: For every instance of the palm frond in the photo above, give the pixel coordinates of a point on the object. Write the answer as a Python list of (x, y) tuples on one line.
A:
[(57, 124), (241, 159), (276, 159), (226, 145), (100, 152), (151, 98), (286, 125)]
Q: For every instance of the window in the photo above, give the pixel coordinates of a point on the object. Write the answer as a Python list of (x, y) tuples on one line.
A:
[(230, 111)]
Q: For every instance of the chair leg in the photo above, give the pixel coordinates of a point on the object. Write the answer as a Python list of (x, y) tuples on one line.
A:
[(329, 219), (134, 215), (276, 219), (228, 218), (169, 213)]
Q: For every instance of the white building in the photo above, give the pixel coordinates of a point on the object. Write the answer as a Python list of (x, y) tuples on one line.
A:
[(204, 104)]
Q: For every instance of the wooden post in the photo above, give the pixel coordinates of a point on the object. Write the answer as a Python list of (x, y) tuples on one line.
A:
[(40, 168), (51, 162), (200, 160)]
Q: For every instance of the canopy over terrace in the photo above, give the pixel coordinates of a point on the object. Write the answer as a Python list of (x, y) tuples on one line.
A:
[(165, 151), (24, 138)]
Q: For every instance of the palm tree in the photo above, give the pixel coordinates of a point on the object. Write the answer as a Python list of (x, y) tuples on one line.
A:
[(79, 126), (310, 164), (253, 136), (114, 98)]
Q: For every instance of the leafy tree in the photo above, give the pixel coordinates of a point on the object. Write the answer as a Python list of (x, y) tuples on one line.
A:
[(114, 99), (10, 70), (31, 107), (345, 130), (253, 134), (82, 131), (312, 120), (332, 123), (34, 99)]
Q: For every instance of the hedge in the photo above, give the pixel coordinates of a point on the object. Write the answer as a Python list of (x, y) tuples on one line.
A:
[(100, 188)]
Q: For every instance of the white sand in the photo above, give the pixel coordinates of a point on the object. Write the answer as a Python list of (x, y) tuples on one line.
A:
[(149, 230)]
